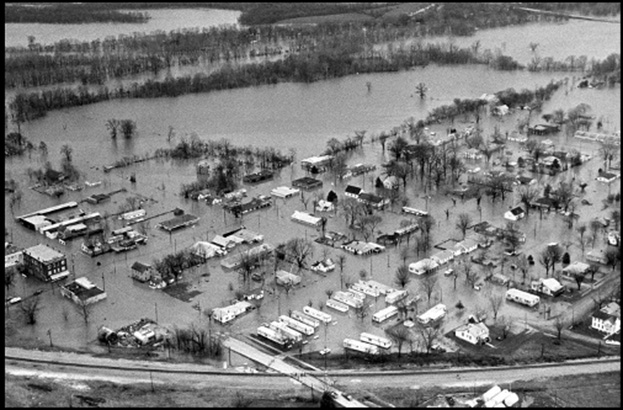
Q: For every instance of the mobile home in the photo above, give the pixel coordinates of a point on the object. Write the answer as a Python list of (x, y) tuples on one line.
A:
[(433, 314), (339, 306), (348, 299), (522, 297), (362, 347), (309, 321), (379, 341), (316, 314), (384, 314), (272, 335), (296, 325), (396, 296)]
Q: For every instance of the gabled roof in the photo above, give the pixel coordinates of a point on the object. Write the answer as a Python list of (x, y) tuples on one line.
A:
[(517, 211), (140, 267), (350, 189), (375, 199)]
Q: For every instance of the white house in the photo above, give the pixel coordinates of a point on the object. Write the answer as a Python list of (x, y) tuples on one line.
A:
[(423, 266), (305, 218), (474, 333), (514, 214), (576, 268), (352, 191), (391, 182), (326, 265), (207, 250), (282, 277), (284, 192), (549, 286), (324, 206), (607, 319), (228, 313), (607, 177), (443, 257), (467, 245)]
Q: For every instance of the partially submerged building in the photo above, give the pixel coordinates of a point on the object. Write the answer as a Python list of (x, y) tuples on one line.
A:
[(83, 292), (178, 222), (45, 263)]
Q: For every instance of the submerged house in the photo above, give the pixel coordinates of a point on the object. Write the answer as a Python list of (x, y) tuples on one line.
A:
[(45, 263), (514, 214)]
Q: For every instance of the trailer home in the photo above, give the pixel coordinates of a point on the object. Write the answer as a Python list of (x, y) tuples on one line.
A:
[(296, 325), (361, 347), (522, 297), (316, 314), (379, 341), (384, 314), (433, 314)]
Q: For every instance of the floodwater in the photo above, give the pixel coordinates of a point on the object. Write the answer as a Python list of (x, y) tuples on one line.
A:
[(287, 116), (16, 34)]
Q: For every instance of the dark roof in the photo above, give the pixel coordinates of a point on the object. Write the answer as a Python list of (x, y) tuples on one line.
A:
[(517, 210), (375, 199), (602, 315), (352, 190), (524, 179), (140, 267)]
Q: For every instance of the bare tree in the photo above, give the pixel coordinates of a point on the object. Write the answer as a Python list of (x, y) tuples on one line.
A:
[(463, 222), (421, 90), (85, 309), (612, 258), (495, 301), (545, 259), (399, 335), (363, 311), (505, 324), (403, 277), (579, 278), (429, 283), (300, 250), (9, 278), (555, 252), (30, 307), (559, 324), (429, 335), (404, 254)]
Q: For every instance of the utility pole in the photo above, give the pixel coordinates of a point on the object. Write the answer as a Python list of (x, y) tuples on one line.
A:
[(156, 308), (73, 268), (103, 281), (50, 336)]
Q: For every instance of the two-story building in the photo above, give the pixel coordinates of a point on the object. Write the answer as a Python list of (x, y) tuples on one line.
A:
[(608, 319), (45, 263)]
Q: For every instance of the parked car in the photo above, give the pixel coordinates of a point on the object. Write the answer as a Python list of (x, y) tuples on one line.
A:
[(511, 252), (448, 272), (325, 351), (13, 300), (347, 396), (478, 286), (38, 292)]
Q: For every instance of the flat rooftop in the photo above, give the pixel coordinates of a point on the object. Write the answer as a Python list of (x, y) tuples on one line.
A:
[(43, 253)]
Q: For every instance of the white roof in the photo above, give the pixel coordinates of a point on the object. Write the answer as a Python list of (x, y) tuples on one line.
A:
[(85, 282), (316, 160), (305, 217), (552, 284), (43, 253), (284, 191), (421, 264)]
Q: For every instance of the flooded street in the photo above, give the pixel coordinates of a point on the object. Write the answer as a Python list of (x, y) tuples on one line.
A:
[(300, 117)]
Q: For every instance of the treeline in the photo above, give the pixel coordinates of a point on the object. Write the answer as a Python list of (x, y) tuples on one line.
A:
[(97, 61), (270, 13), (596, 9), (68, 14), (295, 68)]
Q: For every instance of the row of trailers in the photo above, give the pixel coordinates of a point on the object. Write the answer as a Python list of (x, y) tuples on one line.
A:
[(287, 331), (368, 343)]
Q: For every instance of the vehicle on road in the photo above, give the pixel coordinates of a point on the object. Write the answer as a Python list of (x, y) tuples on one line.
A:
[(325, 351), (347, 396), (38, 292)]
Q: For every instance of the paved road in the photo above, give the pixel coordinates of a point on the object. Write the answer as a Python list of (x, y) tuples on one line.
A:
[(81, 367)]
